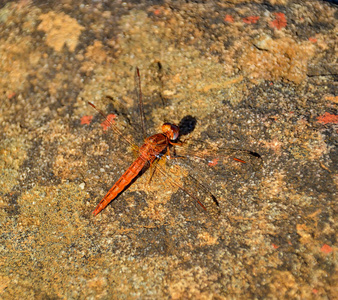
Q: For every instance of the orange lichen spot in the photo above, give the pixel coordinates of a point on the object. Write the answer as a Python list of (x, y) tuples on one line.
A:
[(251, 20), (228, 19), (213, 163), (105, 124), (11, 95), (328, 118), (86, 120), (157, 12), (274, 246), (279, 22), (312, 40), (326, 249), (331, 98)]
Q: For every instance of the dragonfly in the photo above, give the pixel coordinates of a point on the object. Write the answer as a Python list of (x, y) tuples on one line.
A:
[(162, 147)]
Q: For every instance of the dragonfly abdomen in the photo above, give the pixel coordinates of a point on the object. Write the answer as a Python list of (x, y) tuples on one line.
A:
[(135, 168)]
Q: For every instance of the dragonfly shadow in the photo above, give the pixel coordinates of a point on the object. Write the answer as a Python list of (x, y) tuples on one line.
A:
[(187, 125)]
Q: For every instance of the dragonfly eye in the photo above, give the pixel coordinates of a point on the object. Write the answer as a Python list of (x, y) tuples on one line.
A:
[(171, 131)]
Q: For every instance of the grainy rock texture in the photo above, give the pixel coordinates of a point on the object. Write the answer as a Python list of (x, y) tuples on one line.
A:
[(255, 75)]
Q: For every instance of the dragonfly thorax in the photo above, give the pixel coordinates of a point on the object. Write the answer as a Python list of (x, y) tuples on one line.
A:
[(171, 131)]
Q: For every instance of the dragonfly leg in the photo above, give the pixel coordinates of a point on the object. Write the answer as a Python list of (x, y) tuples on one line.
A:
[(151, 173), (180, 144), (168, 154)]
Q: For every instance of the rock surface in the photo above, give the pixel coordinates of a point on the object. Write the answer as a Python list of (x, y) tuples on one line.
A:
[(256, 75)]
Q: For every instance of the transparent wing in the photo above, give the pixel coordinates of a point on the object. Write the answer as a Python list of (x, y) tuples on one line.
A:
[(137, 80), (108, 123), (192, 171), (218, 157), (178, 175)]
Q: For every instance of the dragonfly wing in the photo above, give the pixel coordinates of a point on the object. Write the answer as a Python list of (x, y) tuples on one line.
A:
[(139, 98), (220, 157), (178, 175), (200, 190), (201, 166)]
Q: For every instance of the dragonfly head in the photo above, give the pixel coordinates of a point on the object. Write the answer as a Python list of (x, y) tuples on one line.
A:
[(171, 131)]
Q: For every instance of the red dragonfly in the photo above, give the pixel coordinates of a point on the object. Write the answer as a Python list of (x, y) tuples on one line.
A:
[(161, 145)]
